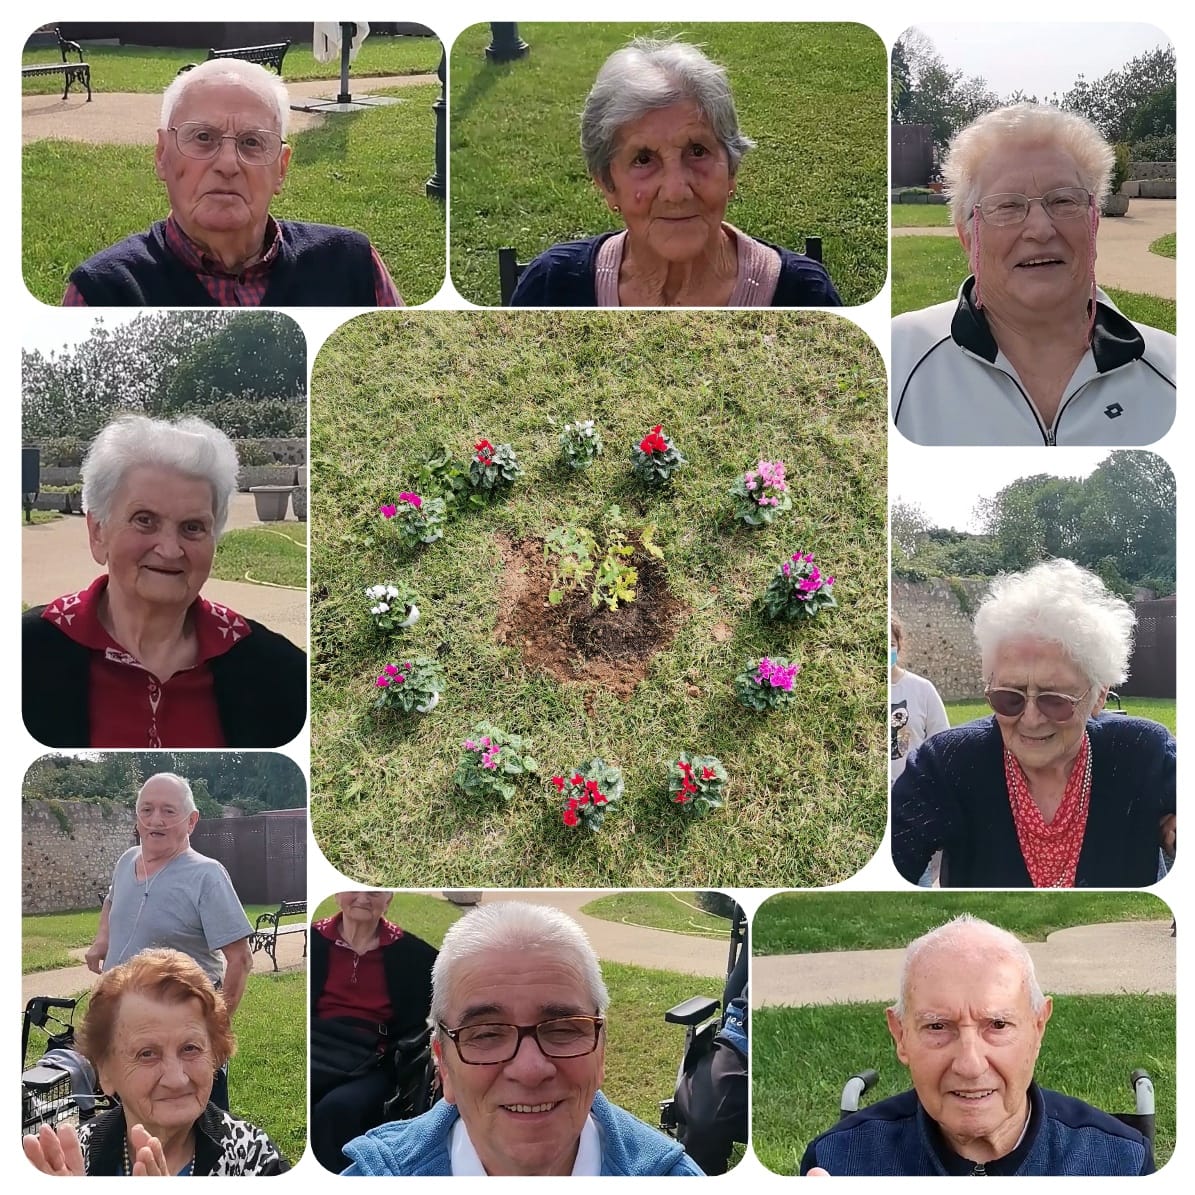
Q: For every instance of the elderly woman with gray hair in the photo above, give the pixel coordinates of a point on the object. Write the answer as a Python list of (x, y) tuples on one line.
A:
[(1045, 793), (662, 143), (139, 658), (1031, 352)]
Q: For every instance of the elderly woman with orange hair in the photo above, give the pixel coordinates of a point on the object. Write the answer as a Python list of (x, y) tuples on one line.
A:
[(156, 1031)]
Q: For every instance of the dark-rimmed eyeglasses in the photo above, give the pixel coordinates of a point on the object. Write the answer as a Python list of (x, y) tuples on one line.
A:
[(561, 1037), (1062, 203), (255, 147), (1012, 703)]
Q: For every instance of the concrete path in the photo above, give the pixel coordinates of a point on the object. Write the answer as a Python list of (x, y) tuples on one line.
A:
[(127, 118), (1122, 247), (1133, 956), (55, 559), (71, 981)]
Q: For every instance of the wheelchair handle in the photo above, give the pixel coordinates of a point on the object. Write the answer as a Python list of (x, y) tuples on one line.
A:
[(1143, 1088), (855, 1087)]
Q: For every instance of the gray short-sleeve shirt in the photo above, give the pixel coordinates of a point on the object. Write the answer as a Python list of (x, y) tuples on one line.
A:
[(189, 905)]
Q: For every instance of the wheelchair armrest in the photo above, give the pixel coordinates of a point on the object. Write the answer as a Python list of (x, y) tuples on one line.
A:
[(692, 1011)]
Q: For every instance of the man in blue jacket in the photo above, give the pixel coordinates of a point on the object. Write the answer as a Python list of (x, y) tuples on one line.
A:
[(969, 1024)]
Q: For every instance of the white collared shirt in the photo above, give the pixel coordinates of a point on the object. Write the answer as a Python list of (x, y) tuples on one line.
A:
[(464, 1159)]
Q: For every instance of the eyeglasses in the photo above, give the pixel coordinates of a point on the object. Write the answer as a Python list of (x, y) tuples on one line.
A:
[(255, 147), (1062, 203), (561, 1037), (1012, 703)]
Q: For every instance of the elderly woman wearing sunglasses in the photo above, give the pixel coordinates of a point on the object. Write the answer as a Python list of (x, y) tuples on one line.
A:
[(1031, 351), (1047, 792)]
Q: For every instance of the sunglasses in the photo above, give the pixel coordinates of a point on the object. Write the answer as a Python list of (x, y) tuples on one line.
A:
[(1011, 703)]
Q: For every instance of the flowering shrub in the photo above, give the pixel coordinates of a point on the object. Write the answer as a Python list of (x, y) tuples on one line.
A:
[(695, 782), (798, 590), (414, 686), (588, 793), (493, 469), (581, 561), (492, 759), (761, 494), (390, 605), (580, 445), (766, 684), (415, 520), (656, 458)]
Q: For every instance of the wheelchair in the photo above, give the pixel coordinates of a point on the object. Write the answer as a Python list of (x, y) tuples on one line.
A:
[(718, 1101), (61, 1086)]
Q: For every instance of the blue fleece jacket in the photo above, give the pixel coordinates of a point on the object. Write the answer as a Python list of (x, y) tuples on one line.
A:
[(421, 1146)]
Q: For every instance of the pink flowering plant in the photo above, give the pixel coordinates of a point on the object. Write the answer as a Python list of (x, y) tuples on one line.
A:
[(414, 519), (766, 684), (761, 494), (798, 590), (695, 782), (494, 468), (412, 686), (390, 605), (588, 792), (492, 761), (580, 445), (655, 458)]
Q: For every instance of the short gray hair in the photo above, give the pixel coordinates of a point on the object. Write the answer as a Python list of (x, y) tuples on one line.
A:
[(647, 75), (1024, 125), (183, 786), (268, 86), (515, 925), (968, 931), (186, 445), (1059, 602)]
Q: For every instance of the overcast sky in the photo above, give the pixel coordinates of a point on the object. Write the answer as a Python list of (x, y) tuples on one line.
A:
[(49, 328), (1040, 59)]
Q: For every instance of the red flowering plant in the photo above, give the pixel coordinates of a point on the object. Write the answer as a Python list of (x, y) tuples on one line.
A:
[(411, 687), (492, 761), (588, 793), (798, 590), (695, 782), (493, 468), (655, 458), (414, 519)]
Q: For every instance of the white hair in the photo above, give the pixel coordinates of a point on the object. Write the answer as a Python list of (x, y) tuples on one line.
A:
[(649, 74), (1059, 602), (514, 925), (186, 445), (266, 85), (1021, 126), (969, 935), (182, 785)]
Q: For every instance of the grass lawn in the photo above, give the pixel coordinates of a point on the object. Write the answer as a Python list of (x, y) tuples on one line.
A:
[(152, 68), (807, 388), (674, 911), (920, 215), (425, 914), (40, 516), (801, 1057), (928, 270), (813, 922), (1157, 709), (274, 555), (819, 168), (1165, 246)]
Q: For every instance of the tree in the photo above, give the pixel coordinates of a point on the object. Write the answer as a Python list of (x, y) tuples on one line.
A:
[(1112, 103), (909, 526)]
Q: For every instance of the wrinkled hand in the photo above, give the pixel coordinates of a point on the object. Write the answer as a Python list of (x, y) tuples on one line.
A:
[(817, 1172), (94, 958), (1168, 833), (55, 1152), (149, 1159)]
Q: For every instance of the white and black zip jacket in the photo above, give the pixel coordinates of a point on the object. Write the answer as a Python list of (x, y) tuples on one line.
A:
[(952, 385)]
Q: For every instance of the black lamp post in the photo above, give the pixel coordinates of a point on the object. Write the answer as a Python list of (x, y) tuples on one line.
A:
[(437, 186), (505, 43)]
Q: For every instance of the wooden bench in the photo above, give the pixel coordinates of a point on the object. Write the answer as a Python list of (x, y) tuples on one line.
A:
[(267, 930), (510, 269), (268, 56), (74, 72)]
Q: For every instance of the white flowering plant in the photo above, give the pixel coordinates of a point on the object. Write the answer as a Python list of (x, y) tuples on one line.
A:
[(392, 606)]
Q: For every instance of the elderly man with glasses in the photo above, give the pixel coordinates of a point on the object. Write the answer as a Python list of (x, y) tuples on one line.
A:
[(222, 156), (519, 1036)]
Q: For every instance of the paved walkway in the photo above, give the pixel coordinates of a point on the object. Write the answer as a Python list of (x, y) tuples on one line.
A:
[(1124, 259), (127, 118), (1133, 956), (55, 559)]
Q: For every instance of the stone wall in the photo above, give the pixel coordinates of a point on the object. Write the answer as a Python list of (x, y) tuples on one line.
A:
[(938, 640), (68, 851), (1140, 170)]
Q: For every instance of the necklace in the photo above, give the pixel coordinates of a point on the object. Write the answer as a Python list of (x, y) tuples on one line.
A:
[(187, 1171)]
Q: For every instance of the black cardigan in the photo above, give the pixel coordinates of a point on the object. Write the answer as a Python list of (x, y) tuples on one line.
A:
[(260, 687)]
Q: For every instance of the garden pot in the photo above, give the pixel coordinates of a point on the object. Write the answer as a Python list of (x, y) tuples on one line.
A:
[(429, 705), (1115, 205), (463, 896), (411, 619), (298, 502), (252, 476), (271, 501)]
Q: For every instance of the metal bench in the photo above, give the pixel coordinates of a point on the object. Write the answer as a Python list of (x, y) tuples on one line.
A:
[(74, 72), (267, 930), (268, 56), (510, 269)]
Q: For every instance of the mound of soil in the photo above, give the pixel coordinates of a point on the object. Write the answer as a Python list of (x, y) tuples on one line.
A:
[(573, 642)]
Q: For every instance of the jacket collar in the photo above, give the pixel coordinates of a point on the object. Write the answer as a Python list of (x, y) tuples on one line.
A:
[(946, 1161), (106, 1145)]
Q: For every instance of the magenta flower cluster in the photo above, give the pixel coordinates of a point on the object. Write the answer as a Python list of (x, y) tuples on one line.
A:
[(394, 674), (813, 579), (489, 751), (776, 675), (389, 510), (765, 481)]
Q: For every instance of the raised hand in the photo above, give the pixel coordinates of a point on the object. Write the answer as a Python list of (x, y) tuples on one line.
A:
[(149, 1159), (55, 1151)]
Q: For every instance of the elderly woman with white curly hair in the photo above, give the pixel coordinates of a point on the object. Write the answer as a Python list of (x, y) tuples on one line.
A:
[(662, 143), (1031, 352), (139, 658), (1046, 792)]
